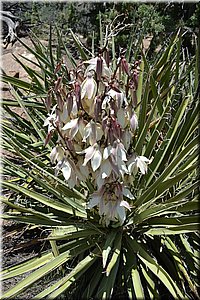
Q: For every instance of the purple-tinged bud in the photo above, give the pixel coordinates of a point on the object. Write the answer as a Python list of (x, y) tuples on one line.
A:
[(125, 66), (104, 123), (118, 131), (59, 101), (135, 79), (110, 136), (107, 57), (70, 145), (63, 92), (48, 101), (58, 119), (69, 103), (97, 108), (80, 76), (48, 138), (99, 68), (77, 89), (57, 84), (57, 69), (93, 133), (113, 107), (116, 128), (133, 96)]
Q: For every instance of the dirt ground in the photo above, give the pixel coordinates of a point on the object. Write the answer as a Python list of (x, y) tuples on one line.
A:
[(9, 64), (11, 67), (20, 244)]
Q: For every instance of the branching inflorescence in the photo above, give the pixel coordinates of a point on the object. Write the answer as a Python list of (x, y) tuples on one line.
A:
[(95, 122)]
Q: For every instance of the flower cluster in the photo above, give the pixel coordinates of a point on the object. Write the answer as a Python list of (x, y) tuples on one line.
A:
[(95, 122)]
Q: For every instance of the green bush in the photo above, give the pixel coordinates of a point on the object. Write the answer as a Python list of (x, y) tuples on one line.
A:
[(159, 20), (124, 228)]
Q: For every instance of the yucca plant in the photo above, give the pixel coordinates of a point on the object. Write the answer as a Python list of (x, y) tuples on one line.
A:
[(113, 178)]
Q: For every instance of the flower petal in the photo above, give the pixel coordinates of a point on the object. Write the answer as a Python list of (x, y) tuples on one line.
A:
[(57, 153), (142, 166), (89, 152), (126, 138), (143, 158), (106, 169), (72, 123), (88, 88), (53, 155), (66, 170), (127, 193), (121, 118), (96, 160), (107, 151), (125, 204), (95, 199), (134, 122), (121, 213)]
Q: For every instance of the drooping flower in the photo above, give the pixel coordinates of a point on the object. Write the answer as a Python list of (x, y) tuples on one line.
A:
[(88, 93), (103, 172), (110, 203), (51, 120), (92, 132), (138, 162), (134, 122), (122, 117), (92, 153), (118, 96), (117, 154), (72, 105), (99, 67), (93, 65), (66, 169), (126, 139), (72, 125), (97, 108), (125, 65), (57, 154)]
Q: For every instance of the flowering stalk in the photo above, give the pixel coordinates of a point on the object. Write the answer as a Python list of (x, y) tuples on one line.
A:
[(95, 122)]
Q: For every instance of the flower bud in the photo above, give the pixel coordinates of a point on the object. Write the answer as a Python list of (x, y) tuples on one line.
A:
[(77, 89), (97, 108), (58, 67), (99, 68), (48, 101), (69, 103), (133, 96), (107, 57), (59, 101), (70, 144), (57, 84), (117, 130), (124, 65), (48, 138)]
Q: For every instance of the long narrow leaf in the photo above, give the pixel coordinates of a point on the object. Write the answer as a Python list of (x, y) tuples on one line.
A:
[(45, 200), (63, 284), (156, 269)]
